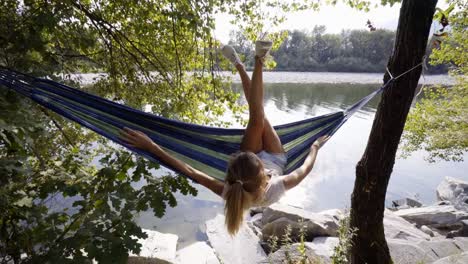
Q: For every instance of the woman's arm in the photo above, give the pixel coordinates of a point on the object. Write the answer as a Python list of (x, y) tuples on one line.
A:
[(140, 140), (295, 177)]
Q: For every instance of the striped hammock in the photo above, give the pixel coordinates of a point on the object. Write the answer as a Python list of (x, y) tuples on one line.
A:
[(205, 148)]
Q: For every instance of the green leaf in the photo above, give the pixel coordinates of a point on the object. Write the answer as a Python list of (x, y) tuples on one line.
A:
[(24, 202)]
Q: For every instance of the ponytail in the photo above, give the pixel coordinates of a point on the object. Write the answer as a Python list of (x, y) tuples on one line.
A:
[(244, 180), (237, 201)]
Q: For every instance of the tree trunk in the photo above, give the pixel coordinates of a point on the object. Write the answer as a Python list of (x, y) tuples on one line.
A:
[(375, 167)]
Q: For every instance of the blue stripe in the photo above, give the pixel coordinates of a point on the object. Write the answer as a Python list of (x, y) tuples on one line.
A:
[(300, 132), (304, 146), (301, 122), (117, 109), (208, 160), (197, 139)]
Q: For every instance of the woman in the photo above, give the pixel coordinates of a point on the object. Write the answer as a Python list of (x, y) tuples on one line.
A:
[(255, 174)]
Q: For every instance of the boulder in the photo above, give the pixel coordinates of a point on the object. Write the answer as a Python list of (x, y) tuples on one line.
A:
[(255, 223), (443, 203), (256, 210), (197, 253), (157, 248), (337, 214), (277, 217), (461, 232), (405, 203), (397, 227), (454, 259), (256, 220), (461, 242), (323, 246), (292, 254), (441, 248), (427, 230), (439, 216), (244, 247), (453, 190), (404, 251)]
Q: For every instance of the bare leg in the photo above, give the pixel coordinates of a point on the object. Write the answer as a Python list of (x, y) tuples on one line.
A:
[(253, 137), (246, 83), (270, 140)]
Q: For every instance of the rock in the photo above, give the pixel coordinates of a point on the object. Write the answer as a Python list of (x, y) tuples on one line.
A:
[(256, 210), (255, 223), (443, 203), (277, 217), (279, 228), (244, 247), (257, 231), (337, 214), (292, 254), (454, 191), (461, 242), (323, 246), (256, 220), (439, 216), (427, 230), (405, 203), (157, 248), (454, 259), (197, 253), (404, 251), (441, 248), (397, 227), (450, 188), (461, 232)]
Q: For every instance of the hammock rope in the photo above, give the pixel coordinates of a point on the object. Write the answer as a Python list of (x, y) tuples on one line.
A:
[(205, 148)]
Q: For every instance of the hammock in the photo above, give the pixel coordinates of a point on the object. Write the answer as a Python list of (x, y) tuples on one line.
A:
[(205, 148)]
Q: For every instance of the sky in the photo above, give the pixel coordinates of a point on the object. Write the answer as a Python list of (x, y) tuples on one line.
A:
[(335, 18)]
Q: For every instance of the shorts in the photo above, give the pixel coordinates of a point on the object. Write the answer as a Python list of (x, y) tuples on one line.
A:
[(275, 162)]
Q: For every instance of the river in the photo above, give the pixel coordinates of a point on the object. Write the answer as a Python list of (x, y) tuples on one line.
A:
[(294, 96)]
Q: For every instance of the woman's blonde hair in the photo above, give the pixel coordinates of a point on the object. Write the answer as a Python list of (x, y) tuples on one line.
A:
[(245, 179)]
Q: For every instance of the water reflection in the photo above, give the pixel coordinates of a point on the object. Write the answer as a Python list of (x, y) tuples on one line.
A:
[(331, 182)]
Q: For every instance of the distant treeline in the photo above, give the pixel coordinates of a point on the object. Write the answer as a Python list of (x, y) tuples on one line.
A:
[(317, 51)]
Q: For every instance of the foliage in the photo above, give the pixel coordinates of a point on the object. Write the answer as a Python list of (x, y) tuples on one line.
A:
[(438, 123), (55, 206), (68, 195), (345, 235), (294, 253), (350, 51)]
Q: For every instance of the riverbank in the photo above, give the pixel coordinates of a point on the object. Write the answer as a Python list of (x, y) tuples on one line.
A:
[(416, 233)]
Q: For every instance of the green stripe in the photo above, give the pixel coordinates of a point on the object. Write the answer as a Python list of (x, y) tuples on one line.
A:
[(288, 130), (213, 172), (293, 163), (116, 131), (290, 145), (212, 153), (227, 138)]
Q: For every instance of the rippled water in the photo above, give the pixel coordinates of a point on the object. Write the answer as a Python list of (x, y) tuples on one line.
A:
[(305, 77), (339, 77), (331, 182)]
